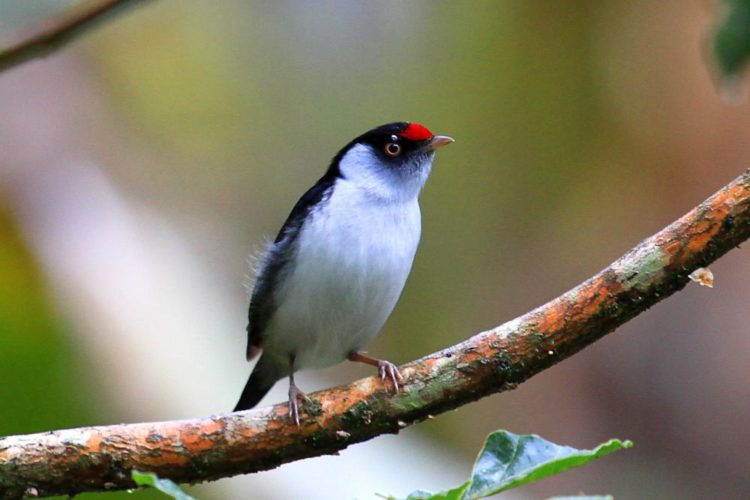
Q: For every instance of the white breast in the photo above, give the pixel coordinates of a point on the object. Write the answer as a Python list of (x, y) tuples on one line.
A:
[(354, 256)]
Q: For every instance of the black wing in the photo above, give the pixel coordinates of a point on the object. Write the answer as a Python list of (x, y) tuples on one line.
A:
[(274, 263)]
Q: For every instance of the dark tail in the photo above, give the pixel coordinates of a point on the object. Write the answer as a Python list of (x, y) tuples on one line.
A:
[(264, 376)]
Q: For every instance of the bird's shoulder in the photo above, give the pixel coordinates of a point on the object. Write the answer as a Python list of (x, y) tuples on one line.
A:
[(313, 197)]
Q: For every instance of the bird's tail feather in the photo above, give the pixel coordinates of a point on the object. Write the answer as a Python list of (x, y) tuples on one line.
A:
[(263, 377)]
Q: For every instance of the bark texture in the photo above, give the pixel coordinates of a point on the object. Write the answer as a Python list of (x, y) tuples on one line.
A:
[(190, 451)]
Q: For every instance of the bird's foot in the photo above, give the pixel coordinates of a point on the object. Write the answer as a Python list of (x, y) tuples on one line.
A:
[(385, 368), (388, 369), (295, 396)]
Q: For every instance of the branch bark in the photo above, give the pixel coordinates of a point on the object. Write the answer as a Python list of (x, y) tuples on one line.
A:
[(201, 449), (59, 31)]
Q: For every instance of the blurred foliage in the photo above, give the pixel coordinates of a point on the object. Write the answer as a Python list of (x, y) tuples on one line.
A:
[(45, 392), (732, 39), (43, 387), (508, 460)]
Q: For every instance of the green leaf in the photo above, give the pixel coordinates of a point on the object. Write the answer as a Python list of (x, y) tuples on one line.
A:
[(454, 494), (509, 460), (164, 485), (732, 39)]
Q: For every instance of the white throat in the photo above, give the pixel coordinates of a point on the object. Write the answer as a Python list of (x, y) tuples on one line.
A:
[(362, 168)]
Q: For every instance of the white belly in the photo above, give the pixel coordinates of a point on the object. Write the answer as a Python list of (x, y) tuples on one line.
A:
[(351, 266)]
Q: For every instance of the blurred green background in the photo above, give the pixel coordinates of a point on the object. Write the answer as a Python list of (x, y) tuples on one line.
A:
[(141, 165)]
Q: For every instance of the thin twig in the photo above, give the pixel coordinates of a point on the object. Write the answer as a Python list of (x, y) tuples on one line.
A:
[(60, 30), (190, 451)]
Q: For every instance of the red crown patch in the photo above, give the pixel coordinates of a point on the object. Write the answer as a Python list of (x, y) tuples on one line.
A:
[(416, 132)]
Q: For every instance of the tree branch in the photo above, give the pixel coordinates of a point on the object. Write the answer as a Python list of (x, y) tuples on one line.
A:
[(58, 31), (190, 451)]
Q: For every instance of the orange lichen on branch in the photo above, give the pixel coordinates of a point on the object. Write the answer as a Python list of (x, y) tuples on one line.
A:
[(189, 451)]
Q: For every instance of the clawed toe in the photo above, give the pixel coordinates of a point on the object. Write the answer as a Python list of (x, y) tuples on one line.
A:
[(385, 368), (388, 369), (294, 397)]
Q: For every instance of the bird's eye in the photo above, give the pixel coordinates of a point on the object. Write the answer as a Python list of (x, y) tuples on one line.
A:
[(392, 149)]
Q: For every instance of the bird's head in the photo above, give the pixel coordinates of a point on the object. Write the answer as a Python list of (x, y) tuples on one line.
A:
[(391, 161)]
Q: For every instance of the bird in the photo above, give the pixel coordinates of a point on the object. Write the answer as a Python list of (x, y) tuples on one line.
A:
[(330, 279)]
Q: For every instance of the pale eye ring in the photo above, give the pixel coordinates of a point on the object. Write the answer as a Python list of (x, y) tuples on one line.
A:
[(392, 149)]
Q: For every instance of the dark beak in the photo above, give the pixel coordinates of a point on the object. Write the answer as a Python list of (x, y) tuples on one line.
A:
[(439, 141)]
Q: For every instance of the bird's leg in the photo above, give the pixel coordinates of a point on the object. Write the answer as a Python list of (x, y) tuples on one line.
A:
[(385, 368), (294, 393)]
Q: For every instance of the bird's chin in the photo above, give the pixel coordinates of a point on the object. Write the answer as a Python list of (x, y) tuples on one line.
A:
[(414, 174), (418, 163)]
